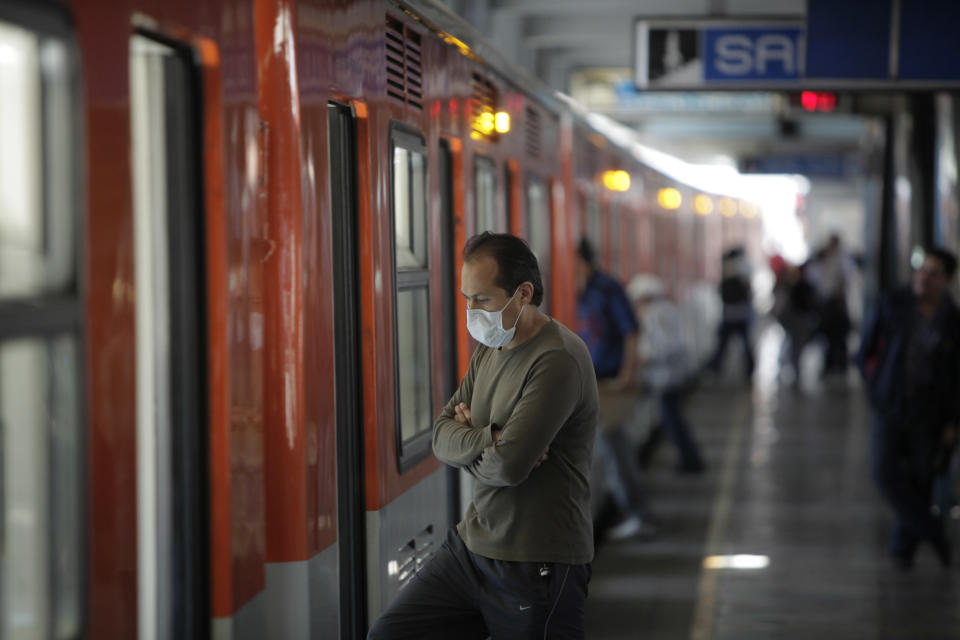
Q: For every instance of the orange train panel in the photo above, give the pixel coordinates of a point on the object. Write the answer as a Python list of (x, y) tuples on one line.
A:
[(218, 356), (517, 216), (284, 447), (110, 331)]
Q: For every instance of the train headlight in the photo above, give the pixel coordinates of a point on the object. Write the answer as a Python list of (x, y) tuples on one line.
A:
[(669, 198), (618, 180), (501, 122)]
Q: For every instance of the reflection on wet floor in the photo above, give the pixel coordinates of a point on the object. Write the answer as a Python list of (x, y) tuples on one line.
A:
[(788, 481)]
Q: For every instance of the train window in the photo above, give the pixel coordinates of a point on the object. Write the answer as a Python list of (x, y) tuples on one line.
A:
[(41, 429), (414, 400), (538, 229), (36, 221), (615, 240), (485, 176), (593, 223), (409, 206)]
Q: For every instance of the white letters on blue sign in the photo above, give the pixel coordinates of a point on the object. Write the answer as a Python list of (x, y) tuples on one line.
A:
[(738, 55)]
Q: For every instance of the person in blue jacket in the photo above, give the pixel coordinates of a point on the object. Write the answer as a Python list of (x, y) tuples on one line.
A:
[(910, 360)]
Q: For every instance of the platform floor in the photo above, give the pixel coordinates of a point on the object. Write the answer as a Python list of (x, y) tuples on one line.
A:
[(788, 480)]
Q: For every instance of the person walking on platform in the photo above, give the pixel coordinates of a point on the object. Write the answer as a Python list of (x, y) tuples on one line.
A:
[(663, 363), (522, 423), (737, 301), (910, 359), (829, 274), (606, 322)]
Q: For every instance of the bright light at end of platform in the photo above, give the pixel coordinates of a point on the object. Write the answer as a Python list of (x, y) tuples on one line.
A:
[(501, 122), (392, 568), (738, 561), (618, 180), (669, 198), (703, 205)]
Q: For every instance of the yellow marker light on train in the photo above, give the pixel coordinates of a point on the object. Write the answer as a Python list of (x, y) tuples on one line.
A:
[(501, 122), (669, 198), (728, 207), (486, 123), (738, 561), (749, 210), (618, 180), (703, 205)]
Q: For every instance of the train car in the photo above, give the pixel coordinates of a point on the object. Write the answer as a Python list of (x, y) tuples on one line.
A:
[(229, 303)]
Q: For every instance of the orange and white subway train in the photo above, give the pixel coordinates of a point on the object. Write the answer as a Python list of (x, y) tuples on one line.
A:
[(230, 238)]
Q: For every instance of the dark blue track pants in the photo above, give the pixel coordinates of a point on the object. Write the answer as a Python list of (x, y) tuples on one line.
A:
[(461, 595)]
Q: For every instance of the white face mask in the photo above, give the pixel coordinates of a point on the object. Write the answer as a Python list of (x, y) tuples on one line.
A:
[(486, 327)]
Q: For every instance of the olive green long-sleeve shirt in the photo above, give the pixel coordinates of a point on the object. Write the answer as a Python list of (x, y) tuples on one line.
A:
[(543, 395)]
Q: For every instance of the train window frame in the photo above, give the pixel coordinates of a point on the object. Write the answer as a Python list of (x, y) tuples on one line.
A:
[(415, 448), (51, 316), (482, 163)]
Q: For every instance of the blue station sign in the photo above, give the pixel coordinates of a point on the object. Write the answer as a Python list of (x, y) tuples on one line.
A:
[(752, 54)]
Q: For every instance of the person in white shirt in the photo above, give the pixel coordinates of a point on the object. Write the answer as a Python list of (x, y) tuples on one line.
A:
[(664, 363)]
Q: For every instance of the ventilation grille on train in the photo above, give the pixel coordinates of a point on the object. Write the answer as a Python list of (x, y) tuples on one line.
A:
[(483, 100), (404, 64), (413, 555), (533, 138)]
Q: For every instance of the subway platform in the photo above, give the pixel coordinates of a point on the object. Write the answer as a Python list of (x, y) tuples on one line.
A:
[(784, 536)]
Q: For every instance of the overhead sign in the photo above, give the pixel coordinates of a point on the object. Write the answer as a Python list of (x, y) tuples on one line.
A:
[(837, 44), (813, 165), (751, 54), (678, 54)]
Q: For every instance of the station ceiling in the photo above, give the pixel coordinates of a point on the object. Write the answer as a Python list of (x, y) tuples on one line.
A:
[(585, 48)]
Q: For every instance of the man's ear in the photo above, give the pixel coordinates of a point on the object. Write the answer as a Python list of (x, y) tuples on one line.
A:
[(526, 292)]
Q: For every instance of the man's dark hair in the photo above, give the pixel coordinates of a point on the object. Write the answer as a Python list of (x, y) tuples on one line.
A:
[(586, 252), (516, 263), (947, 259)]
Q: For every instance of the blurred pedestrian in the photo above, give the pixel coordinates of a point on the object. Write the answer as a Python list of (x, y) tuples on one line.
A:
[(664, 364), (606, 323), (737, 298), (829, 274), (910, 359), (795, 308)]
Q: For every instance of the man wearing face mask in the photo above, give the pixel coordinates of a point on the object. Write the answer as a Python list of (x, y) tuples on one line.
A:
[(522, 423)]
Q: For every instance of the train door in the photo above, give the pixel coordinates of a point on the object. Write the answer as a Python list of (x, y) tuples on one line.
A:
[(451, 298), (172, 494), (351, 540), (42, 474)]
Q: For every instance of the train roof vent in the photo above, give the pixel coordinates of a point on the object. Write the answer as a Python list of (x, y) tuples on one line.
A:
[(404, 66), (483, 100), (533, 135)]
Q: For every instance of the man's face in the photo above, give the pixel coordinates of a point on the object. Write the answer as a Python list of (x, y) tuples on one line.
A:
[(930, 280), (477, 286)]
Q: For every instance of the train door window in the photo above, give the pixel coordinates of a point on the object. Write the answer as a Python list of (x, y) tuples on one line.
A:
[(41, 425), (615, 238), (593, 223), (412, 300), (538, 229), (168, 234), (508, 186), (485, 186)]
